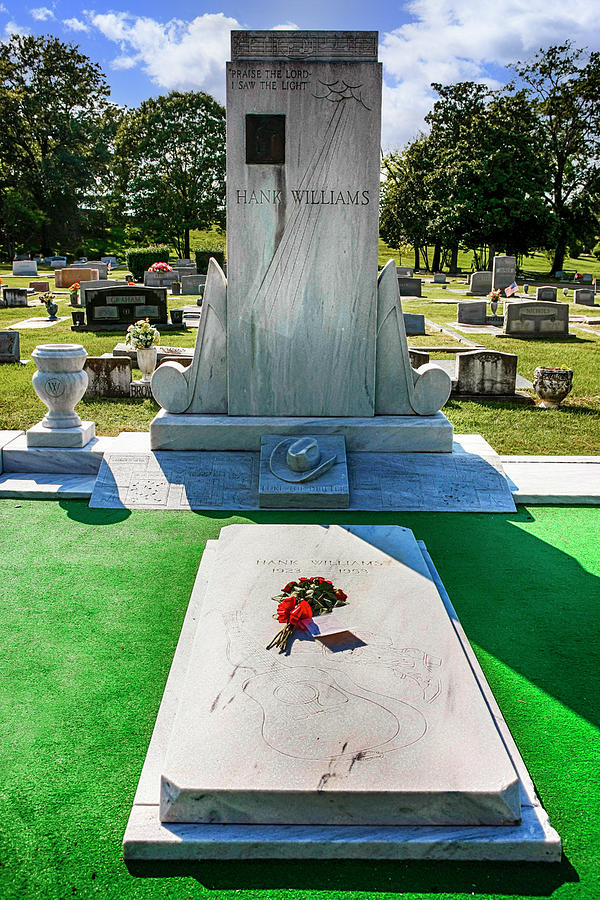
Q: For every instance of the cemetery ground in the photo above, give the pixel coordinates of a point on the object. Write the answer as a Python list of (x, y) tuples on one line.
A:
[(511, 428), (93, 601), (92, 605)]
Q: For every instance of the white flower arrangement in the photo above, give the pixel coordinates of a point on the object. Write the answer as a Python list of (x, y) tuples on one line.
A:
[(142, 335)]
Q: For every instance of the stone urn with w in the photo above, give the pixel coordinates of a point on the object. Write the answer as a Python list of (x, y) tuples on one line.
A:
[(143, 337)]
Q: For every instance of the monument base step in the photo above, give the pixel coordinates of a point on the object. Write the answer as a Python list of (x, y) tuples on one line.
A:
[(18, 457), (377, 434), (44, 486)]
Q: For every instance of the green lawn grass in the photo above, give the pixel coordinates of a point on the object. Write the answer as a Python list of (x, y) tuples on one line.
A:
[(91, 607)]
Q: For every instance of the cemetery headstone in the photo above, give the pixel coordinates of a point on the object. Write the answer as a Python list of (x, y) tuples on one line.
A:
[(480, 284), (193, 284), (108, 376), (471, 312), (13, 297), (24, 267), (585, 296), (9, 347), (64, 278), (57, 262), (532, 318), (176, 288), (102, 267), (40, 286), (486, 372), (165, 279), (87, 286), (405, 271), (409, 287), (124, 304), (546, 292), (414, 323), (292, 205), (587, 278), (109, 260), (561, 275), (439, 278), (184, 263), (504, 272)]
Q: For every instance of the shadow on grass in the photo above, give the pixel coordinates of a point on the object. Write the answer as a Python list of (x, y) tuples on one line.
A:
[(423, 876), (79, 511)]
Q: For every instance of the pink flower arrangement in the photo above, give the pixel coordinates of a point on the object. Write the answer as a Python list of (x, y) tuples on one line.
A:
[(160, 267)]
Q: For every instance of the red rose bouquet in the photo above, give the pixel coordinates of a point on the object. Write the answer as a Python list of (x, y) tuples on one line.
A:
[(300, 600)]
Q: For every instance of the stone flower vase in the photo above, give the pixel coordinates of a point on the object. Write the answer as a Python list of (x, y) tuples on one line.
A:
[(52, 309), (552, 385), (146, 360), (494, 306), (60, 382)]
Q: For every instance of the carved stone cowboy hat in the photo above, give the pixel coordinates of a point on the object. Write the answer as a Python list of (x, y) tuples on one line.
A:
[(299, 459)]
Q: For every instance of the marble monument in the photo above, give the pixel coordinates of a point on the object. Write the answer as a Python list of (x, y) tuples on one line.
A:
[(301, 327)]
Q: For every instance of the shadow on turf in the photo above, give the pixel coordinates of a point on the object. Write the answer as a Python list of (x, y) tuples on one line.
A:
[(79, 511), (423, 876)]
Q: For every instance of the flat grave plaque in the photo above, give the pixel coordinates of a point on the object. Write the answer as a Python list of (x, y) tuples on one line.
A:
[(388, 727), (9, 347)]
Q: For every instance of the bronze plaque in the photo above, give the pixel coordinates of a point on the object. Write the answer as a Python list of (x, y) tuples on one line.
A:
[(265, 139)]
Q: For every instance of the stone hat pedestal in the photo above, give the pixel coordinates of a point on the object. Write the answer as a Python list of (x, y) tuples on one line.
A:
[(60, 383)]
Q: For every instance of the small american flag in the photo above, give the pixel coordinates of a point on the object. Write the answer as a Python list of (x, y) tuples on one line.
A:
[(511, 289)]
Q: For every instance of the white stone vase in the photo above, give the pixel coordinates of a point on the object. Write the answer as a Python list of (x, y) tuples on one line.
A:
[(146, 360), (552, 385), (60, 382)]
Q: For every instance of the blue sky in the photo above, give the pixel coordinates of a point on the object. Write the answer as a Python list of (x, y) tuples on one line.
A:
[(149, 48)]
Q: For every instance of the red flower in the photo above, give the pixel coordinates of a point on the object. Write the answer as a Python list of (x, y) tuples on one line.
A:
[(302, 611), (340, 594), (288, 587), (305, 579), (284, 609)]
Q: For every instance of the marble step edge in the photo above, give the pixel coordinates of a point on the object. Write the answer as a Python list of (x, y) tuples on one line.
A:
[(17, 457), (46, 486)]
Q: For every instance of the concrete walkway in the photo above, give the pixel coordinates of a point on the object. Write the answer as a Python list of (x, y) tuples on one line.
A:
[(533, 480)]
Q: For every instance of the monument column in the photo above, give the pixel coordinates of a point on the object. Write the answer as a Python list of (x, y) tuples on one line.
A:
[(303, 146)]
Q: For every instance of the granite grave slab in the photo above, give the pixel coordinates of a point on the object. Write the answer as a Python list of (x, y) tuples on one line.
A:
[(585, 296), (147, 839), (13, 296), (480, 284), (546, 292), (24, 267), (377, 735)]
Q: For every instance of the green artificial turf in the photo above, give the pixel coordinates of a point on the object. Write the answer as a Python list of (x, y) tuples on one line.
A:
[(92, 602)]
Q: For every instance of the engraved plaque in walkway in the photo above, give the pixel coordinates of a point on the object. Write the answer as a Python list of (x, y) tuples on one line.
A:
[(171, 479), (387, 726)]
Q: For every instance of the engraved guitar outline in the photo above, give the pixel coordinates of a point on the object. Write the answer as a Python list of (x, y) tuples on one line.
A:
[(293, 695)]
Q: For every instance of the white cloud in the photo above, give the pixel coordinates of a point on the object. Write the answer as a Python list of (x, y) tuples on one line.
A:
[(445, 41), (3, 9), (174, 55), (12, 28), (453, 40), (287, 26), (75, 25), (42, 13)]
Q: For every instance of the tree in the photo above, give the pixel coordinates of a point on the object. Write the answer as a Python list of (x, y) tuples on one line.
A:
[(172, 157), (51, 100), (563, 83), (405, 198)]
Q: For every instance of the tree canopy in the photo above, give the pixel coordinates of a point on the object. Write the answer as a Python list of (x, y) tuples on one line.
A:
[(52, 102), (170, 158)]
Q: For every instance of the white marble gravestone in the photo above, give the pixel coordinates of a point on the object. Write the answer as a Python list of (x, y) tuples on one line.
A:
[(386, 726), (504, 272), (301, 327)]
